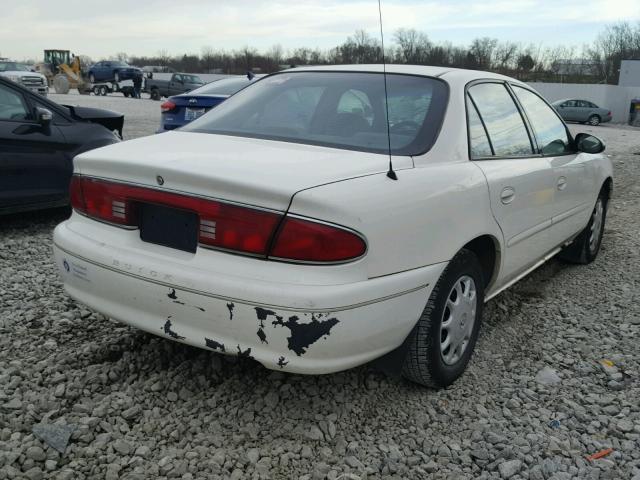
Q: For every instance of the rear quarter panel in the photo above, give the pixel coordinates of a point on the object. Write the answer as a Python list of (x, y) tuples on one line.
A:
[(423, 218)]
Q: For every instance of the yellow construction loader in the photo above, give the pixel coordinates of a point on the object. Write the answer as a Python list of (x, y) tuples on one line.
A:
[(64, 71)]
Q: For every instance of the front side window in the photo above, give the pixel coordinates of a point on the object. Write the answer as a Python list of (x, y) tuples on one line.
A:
[(548, 128), (12, 106), (502, 119), (336, 109), (478, 140)]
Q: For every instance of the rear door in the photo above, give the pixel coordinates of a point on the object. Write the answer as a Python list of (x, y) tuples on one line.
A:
[(573, 184), (33, 165), (520, 181), (569, 111)]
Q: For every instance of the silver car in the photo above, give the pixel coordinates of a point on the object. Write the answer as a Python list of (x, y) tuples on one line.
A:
[(583, 111)]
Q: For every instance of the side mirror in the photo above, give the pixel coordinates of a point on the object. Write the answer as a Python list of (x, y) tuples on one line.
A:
[(44, 116), (588, 143)]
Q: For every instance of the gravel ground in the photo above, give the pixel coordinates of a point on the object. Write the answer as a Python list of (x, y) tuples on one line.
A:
[(555, 378)]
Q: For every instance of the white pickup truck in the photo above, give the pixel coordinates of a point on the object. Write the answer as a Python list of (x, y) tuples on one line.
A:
[(23, 75)]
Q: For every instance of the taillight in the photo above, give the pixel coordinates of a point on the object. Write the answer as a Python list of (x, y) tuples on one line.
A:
[(102, 200), (222, 225), (309, 241), (236, 228), (609, 114), (167, 106)]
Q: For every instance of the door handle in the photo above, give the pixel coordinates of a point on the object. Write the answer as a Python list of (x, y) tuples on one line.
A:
[(562, 183), (507, 195)]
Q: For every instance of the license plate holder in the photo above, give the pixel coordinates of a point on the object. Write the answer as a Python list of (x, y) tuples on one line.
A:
[(193, 113), (170, 227)]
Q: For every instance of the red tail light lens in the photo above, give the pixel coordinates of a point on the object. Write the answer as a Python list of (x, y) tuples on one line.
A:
[(308, 241), (102, 200), (222, 225), (167, 106)]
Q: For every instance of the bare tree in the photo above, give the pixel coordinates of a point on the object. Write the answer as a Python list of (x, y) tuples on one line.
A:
[(413, 46)]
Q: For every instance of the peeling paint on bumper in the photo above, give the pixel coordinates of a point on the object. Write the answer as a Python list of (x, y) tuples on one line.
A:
[(281, 337)]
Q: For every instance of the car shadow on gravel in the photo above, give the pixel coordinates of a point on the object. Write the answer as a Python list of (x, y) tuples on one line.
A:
[(36, 218)]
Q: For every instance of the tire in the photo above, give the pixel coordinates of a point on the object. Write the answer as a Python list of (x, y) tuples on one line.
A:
[(61, 84), (116, 77), (103, 91), (96, 90), (594, 120), (155, 94), (426, 362), (92, 78), (585, 247)]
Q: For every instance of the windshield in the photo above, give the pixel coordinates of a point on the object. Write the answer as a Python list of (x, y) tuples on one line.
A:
[(13, 67), (335, 109), (191, 78), (222, 87)]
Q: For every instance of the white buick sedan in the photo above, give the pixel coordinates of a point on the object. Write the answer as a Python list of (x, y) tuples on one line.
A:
[(297, 225)]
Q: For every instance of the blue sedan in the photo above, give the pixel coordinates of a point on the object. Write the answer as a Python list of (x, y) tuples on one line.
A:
[(112, 71), (181, 109)]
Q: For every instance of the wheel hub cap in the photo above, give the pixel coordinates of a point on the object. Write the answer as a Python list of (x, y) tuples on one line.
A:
[(458, 319), (596, 225)]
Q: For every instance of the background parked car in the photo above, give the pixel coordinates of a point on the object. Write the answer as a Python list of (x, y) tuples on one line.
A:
[(38, 140), (112, 70), (179, 83), (25, 76), (582, 111), (181, 109)]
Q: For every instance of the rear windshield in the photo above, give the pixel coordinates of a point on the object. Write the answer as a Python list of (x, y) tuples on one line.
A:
[(335, 109), (222, 87)]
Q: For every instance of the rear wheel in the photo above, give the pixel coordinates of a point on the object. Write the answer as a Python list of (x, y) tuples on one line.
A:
[(584, 249), (446, 333), (594, 120), (155, 94), (103, 91), (92, 78), (96, 90)]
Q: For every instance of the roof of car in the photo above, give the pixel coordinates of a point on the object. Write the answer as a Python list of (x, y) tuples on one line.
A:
[(425, 70)]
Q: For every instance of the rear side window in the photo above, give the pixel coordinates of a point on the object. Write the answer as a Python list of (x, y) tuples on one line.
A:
[(502, 119), (478, 140), (549, 130)]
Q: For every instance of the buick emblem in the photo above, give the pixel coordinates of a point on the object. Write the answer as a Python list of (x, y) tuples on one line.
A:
[(160, 180), (193, 100)]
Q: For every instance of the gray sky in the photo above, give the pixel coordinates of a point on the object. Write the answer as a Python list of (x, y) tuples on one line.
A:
[(100, 29)]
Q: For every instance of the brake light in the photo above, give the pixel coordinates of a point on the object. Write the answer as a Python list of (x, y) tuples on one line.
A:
[(310, 241), (102, 200), (222, 225), (609, 114), (167, 106)]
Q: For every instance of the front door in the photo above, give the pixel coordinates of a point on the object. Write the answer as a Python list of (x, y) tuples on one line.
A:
[(520, 181), (571, 180), (33, 165)]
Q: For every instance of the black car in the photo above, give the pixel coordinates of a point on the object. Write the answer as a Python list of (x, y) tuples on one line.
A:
[(38, 140)]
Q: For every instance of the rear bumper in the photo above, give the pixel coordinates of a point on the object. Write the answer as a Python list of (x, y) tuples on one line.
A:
[(297, 328)]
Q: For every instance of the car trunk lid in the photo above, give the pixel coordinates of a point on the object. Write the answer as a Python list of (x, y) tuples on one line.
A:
[(249, 171)]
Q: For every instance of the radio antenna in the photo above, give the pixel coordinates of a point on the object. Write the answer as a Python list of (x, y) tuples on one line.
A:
[(391, 173)]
